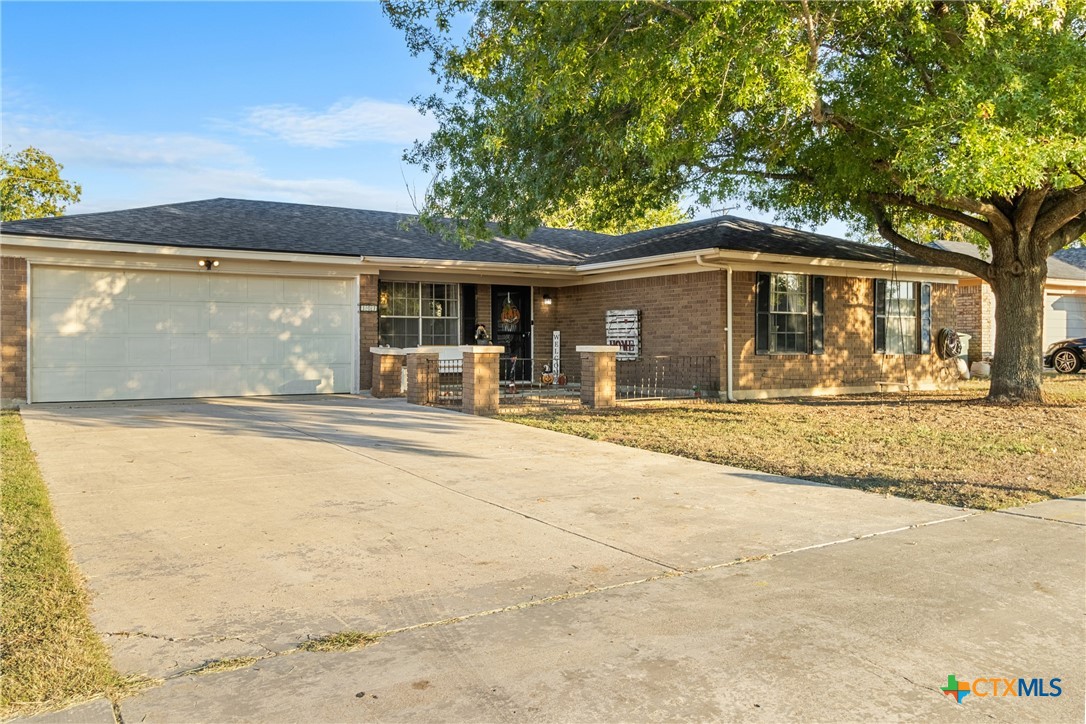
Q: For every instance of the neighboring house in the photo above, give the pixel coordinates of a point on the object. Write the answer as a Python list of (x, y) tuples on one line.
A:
[(226, 297), (1065, 300)]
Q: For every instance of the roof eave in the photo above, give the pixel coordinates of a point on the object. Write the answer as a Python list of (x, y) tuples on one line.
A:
[(719, 255), (127, 247), (393, 263)]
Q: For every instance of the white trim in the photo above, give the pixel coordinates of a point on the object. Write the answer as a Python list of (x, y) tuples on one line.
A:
[(356, 342), (187, 265), (482, 348), (431, 348), (459, 311), (531, 329), (731, 341), (120, 247), (759, 259), (728, 330), (77, 251), (1064, 286), (643, 261), (395, 263), (29, 334), (389, 351)]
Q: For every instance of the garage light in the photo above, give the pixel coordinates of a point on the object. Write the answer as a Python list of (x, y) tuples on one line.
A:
[(547, 301), (208, 264)]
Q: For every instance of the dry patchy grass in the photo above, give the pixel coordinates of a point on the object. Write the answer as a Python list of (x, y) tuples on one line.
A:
[(952, 448), (52, 655), (342, 641)]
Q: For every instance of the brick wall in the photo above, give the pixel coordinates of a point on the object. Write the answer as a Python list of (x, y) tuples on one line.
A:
[(975, 305), (849, 359), (367, 329), (685, 314), (681, 314), (545, 321), (13, 361)]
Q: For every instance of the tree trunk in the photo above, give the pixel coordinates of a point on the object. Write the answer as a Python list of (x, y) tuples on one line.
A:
[(1019, 313)]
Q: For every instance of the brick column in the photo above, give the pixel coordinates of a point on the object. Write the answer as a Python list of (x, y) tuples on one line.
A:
[(388, 364), (422, 374), (367, 327), (13, 362), (597, 375), (481, 379)]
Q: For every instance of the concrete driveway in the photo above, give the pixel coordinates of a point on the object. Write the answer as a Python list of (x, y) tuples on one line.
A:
[(526, 574)]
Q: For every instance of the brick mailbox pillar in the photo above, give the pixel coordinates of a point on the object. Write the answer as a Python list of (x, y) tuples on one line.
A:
[(388, 363), (597, 375), (422, 374), (481, 384)]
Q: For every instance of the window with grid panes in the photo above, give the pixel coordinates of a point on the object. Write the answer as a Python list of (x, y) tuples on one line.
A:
[(789, 314), (418, 313), (902, 317)]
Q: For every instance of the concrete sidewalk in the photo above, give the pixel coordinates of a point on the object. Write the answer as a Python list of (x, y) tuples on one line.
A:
[(598, 582)]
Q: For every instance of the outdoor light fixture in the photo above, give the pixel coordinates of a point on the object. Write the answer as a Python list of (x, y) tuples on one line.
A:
[(208, 264), (547, 301)]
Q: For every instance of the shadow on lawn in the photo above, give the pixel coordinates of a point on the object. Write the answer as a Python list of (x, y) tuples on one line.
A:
[(957, 493)]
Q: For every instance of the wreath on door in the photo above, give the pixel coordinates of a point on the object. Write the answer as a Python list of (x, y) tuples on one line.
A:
[(509, 319)]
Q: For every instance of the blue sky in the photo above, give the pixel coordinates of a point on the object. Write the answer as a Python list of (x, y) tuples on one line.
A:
[(149, 103), (158, 102)]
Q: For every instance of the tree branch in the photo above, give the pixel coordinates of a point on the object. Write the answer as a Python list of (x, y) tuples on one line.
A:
[(941, 257), (1029, 205), (671, 9), (1070, 232), (1064, 208), (1000, 222), (978, 225)]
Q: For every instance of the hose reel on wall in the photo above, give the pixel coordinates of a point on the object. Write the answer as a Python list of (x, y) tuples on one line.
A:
[(948, 344)]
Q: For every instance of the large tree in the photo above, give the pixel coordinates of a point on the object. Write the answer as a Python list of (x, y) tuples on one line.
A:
[(585, 214), (886, 113), (31, 186)]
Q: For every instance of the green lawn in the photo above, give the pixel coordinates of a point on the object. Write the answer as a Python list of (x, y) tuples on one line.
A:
[(51, 653), (951, 448)]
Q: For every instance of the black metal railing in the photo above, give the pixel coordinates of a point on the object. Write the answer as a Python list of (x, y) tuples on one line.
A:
[(445, 382), (668, 378), (533, 383)]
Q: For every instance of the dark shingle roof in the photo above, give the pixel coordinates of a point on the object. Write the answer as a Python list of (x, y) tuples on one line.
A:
[(300, 228), (1064, 264), (736, 234), (1068, 264)]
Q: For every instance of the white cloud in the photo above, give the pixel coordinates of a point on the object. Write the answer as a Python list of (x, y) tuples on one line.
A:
[(126, 170), (252, 184), (127, 151), (358, 121)]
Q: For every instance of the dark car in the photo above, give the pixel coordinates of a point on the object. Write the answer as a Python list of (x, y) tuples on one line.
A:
[(1066, 357)]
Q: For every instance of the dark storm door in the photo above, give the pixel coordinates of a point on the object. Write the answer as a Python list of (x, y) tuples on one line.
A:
[(512, 328)]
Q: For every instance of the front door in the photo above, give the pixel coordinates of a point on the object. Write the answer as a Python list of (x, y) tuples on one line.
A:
[(512, 329)]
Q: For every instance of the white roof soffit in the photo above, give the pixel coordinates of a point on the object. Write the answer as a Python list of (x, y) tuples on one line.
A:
[(391, 263), (754, 259), (120, 247)]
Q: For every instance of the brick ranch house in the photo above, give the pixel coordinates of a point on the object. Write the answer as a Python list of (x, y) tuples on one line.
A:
[(227, 297), (1065, 301)]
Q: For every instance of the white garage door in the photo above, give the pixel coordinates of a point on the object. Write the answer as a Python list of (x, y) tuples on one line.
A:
[(121, 335), (1065, 317)]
